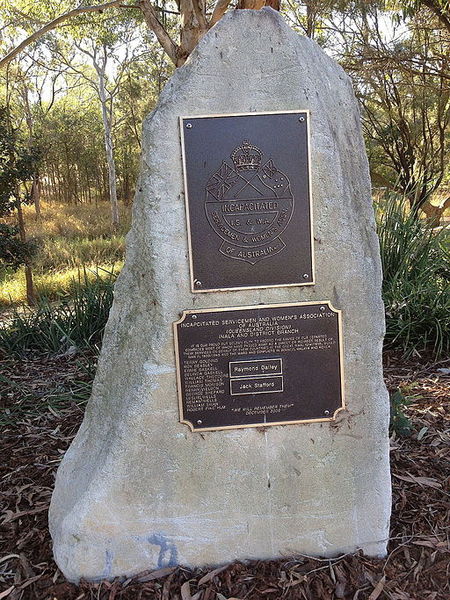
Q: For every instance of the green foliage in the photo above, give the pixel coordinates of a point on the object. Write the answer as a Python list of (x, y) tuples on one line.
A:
[(17, 167), (51, 286), (399, 423), (76, 322), (14, 252), (68, 237), (416, 281)]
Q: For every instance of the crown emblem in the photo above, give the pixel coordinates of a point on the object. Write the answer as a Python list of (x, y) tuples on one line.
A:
[(246, 157)]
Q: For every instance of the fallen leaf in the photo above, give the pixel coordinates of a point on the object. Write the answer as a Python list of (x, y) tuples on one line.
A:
[(419, 480), (377, 589), (186, 591), (13, 516), (210, 576), (29, 582), (8, 557), (421, 433), (156, 574), (6, 592)]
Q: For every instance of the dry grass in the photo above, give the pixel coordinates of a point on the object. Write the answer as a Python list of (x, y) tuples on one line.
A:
[(68, 237), (73, 221)]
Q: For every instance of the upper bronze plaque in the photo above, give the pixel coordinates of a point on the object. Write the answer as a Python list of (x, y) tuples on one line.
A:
[(248, 200)]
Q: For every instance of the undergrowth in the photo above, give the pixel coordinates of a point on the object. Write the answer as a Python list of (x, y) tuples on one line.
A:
[(399, 422), (76, 321), (54, 285), (416, 281), (67, 238)]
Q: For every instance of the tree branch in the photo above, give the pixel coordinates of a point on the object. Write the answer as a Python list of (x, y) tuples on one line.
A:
[(440, 11), (199, 14), (52, 24), (218, 11), (157, 27)]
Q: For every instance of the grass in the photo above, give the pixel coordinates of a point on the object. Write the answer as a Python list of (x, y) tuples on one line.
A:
[(68, 238), (76, 322), (416, 281), (54, 285), (74, 221), (79, 256)]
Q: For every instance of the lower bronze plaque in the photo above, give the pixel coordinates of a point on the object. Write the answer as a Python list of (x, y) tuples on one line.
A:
[(259, 365)]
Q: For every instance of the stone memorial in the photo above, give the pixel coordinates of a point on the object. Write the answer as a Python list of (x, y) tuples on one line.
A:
[(239, 409)]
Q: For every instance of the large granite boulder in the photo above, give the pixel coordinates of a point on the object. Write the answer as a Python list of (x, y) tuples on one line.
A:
[(137, 489)]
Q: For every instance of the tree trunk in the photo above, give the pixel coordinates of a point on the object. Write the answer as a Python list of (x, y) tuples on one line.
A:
[(109, 148), (191, 30), (257, 4), (36, 195), (190, 36), (36, 187), (250, 4), (31, 297)]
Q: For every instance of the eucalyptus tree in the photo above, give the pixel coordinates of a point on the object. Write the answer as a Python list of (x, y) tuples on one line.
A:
[(439, 8), (397, 54), (28, 89), (140, 87), (72, 135), (110, 47), (194, 18), (401, 72), (110, 53)]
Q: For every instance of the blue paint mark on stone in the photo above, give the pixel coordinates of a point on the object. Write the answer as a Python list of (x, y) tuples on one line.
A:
[(168, 554), (107, 572)]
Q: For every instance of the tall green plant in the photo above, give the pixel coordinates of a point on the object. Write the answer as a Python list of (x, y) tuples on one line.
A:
[(416, 280), (77, 322)]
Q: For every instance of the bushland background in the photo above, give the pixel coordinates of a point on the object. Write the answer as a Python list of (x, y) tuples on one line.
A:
[(72, 103)]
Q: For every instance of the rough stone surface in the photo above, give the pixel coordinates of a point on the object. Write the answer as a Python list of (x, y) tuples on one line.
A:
[(137, 489)]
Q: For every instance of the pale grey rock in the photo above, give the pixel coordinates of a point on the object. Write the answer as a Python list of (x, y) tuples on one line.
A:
[(138, 490)]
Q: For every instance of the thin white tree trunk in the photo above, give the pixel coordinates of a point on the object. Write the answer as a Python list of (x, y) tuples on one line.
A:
[(36, 186), (106, 117), (36, 195)]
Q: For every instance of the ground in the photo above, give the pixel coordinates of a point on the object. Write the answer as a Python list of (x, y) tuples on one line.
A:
[(43, 397)]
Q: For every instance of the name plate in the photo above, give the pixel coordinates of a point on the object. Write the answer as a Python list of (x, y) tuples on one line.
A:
[(248, 205), (260, 365)]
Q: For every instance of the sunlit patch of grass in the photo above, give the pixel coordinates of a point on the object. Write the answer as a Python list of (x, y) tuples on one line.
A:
[(69, 237), (69, 253), (52, 285), (74, 221)]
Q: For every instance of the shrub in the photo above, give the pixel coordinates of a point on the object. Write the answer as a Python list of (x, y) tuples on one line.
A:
[(77, 321), (416, 281), (53, 285), (399, 423)]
